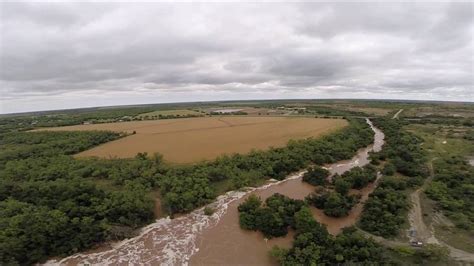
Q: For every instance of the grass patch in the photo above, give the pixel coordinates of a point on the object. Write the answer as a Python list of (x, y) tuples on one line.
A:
[(444, 229), (455, 237), (438, 143)]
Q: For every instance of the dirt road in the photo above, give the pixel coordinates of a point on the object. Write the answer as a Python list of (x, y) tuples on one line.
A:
[(425, 233), (395, 116), (415, 216), (417, 225)]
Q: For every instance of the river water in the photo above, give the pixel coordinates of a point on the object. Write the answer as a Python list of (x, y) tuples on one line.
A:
[(198, 239)]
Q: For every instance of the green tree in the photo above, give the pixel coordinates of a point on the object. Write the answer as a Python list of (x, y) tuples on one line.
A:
[(316, 176)]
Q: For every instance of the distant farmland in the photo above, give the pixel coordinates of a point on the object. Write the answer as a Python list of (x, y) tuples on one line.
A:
[(195, 139)]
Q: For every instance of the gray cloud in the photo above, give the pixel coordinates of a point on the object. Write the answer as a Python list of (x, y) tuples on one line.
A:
[(55, 55)]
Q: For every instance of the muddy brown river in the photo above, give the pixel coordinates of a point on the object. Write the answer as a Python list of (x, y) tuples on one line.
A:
[(198, 239)]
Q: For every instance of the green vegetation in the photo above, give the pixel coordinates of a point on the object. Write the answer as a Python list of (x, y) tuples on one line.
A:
[(455, 114), (453, 177), (331, 111), (453, 189), (193, 187), (47, 204), (316, 176), (52, 204), (69, 117), (313, 245), (385, 211), (19, 146), (273, 218), (170, 114), (429, 254), (102, 199), (359, 177), (402, 148), (448, 148), (338, 203), (333, 203)]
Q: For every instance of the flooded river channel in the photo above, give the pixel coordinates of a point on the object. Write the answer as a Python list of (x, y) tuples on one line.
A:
[(198, 239)]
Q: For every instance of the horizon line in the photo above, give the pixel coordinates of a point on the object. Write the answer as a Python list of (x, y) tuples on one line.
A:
[(232, 100)]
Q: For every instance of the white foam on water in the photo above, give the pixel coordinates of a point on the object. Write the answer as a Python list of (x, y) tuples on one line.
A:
[(166, 241), (173, 241)]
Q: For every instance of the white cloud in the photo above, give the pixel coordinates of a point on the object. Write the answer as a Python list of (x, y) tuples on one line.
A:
[(53, 55)]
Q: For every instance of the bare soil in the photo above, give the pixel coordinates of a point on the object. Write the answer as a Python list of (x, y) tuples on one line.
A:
[(196, 139)]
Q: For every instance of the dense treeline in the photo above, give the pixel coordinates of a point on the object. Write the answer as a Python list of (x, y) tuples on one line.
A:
[(27, 121), (333, 203), (385, 211), (102, 199), (453, 189), (26, 145), (70, 117), (316, 176), (193, 188), (358, 177), (47, 205), (313, 245), (402, 148), (333, 198), (325, 110), (272, 219), (170, 116)]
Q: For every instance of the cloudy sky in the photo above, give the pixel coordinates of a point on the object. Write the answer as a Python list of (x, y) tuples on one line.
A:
[(62, 55)]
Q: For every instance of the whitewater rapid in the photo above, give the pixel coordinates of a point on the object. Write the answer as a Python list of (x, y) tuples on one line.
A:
[(174, 241)]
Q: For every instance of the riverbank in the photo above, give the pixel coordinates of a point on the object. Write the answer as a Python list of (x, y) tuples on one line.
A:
[(217, 239), (227, 243)]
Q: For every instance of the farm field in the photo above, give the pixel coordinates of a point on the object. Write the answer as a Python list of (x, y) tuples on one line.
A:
[(196, 139)]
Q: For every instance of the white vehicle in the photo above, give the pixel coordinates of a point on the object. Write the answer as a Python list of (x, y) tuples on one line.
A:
[(416, 243)]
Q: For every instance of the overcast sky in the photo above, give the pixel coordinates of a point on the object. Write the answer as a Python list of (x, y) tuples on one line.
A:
[(61, 55)]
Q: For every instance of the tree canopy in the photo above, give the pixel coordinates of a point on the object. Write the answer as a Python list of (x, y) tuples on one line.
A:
[(101, 199)]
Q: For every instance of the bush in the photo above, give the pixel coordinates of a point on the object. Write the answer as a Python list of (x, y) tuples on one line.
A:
[(313, 245), (273, 218), (360, 177), (316, 176), (384, 212), (389, 169), (341, 185), (452, 188), (334, 204)]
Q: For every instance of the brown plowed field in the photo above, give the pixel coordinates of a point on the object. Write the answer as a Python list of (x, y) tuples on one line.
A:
[(195, 139)]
